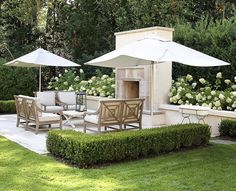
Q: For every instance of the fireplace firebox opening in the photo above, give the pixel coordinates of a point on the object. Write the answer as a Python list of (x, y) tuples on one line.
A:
[(131, 89)]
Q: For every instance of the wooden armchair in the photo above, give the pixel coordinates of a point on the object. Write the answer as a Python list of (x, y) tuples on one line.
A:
[(116, 112), (109, 113), (38, 117)]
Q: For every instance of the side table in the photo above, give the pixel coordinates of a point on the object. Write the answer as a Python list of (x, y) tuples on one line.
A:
[(72, 115)]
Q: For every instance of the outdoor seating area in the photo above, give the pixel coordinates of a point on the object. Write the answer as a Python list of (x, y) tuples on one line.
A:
[(118, 95), (53, 107)]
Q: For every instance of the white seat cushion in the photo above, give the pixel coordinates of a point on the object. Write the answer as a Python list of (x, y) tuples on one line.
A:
[(47, 98), (67, 97), (49, 117), (91, 119), (54, 108), (71, 107)]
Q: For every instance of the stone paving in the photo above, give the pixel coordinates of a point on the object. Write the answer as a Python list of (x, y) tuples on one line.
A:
[(221, 141), (27, 139)]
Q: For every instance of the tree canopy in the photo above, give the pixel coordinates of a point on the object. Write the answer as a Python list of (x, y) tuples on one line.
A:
[(82, 29)]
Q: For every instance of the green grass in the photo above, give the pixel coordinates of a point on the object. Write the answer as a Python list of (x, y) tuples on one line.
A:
[(210, 168)]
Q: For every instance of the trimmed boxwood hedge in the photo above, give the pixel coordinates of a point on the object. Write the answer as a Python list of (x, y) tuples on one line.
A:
[(86, 149), (228, 128), (7, 106)]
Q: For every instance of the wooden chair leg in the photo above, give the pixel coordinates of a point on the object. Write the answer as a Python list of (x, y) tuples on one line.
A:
[(26, 125), (99, 129), (17, 122), (60, 124), (140, 125), (37, 129), (84, 127)]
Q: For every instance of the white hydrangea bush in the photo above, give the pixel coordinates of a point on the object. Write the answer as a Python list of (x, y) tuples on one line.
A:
[(103, 86), (186, 90)]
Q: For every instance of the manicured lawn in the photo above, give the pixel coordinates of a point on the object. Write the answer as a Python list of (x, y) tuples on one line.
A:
[(211, 168)]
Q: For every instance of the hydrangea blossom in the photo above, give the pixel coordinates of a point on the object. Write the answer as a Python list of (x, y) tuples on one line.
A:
[(189, 78), (227, 81), (219, 75), (202, 80)]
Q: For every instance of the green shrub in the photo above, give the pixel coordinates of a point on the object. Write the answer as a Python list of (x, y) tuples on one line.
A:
[(7, 106), (215, 38), (17, 80), (85, 149), (228, 128)]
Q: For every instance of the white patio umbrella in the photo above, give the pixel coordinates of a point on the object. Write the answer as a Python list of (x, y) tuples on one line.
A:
[(41, 58), (156, 49), (151, 50)]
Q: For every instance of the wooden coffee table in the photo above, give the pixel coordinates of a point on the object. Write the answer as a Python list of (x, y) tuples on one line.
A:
[(72, 115)]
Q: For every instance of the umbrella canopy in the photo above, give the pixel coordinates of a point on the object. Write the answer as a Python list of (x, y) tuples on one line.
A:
[(151, 50), (40, 58), (154, 48)]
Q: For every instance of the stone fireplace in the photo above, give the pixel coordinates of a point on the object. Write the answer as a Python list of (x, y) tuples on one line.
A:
[(135, 82)]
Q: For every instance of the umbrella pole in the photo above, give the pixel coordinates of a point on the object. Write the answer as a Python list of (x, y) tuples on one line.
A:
[(40, 78), (152, 86)]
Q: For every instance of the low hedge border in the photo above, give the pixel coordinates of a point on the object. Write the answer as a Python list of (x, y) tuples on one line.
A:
[(85, 150), (228, 128), (7, 106)]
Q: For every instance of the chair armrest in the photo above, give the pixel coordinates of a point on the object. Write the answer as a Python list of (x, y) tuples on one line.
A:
[(44, 111), (44, 107), (63, 104)]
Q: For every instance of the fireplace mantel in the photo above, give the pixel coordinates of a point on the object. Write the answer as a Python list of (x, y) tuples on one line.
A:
[(131, 79)]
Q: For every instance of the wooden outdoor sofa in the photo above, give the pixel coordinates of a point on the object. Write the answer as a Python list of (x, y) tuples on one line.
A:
[(116, 112), (30, 114)]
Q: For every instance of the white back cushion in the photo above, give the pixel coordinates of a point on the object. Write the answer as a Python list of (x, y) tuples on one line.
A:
[(67, 97), (47, 98)]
